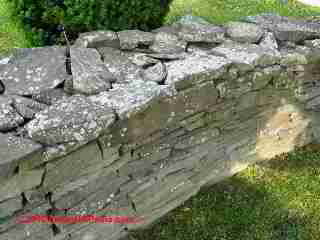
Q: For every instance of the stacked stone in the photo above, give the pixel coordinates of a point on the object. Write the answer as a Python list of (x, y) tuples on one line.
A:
[(147, 119)]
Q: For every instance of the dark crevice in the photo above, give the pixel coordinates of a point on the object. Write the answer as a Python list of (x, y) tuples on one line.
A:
[(100, 148), (120, 151), (48, 197), (42, 179), (132, 153), (118, 172), (133, 205), (2, 87), (16, 170), (130, 176), (24, 200), (55, 229)]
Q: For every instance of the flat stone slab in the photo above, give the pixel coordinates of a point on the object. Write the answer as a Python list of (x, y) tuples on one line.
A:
[(9, 117), (247, 55), (90, 75), (119, 64), (244, 32), (128, 99), (195, 69), (168, 43), (27, 107), (286, 28), (195, 29), (75, 119), (33, 70), (96, 39), (12, 150), (131, 39)]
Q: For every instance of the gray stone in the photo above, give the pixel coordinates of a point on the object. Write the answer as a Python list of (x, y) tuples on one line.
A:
[(269, 41), (128, 99), (119, 64), (247, 56), (286, 28), (71, 167), (195, 69), (142, 60), (168, 43), (312, 43), (20, 183), (244, 32), (167, 29), (131, 39), (34, 70), (156, 73), (9, 118), (26, 107), (192, 30), (191, 20), (98, 39), (75, 119), (51, 96), (90, 75), (8, 207)]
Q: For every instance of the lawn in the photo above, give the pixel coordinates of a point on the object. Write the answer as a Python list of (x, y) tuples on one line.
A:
[(279, 200)]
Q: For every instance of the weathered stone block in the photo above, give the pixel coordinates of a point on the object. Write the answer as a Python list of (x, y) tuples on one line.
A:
[(15, 151)]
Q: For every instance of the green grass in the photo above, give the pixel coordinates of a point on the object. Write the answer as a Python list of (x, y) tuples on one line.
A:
[(279, 200), (221, 11), (12, 34)]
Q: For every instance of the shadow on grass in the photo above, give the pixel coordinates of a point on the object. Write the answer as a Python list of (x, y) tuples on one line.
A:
[(232, 209)]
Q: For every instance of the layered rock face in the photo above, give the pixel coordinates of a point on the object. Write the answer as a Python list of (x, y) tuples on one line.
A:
[(146, 119)]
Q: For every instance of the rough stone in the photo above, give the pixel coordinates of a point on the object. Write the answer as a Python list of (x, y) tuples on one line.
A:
[(244, 32), (168, 43), (9, 117), (27, 107), (156, 73), (119, 65), (131, 39), (247, 56), (269, 41), (50, 97), (90, 75), (128, 99), (286, 28), (33, 70), (20, 183), (97, 39), (142, 60), (198, 32), (10, 206), (195, 69), (312, 43), (75, 119)]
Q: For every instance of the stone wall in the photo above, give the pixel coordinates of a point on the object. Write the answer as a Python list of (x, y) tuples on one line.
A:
[(139, 122)]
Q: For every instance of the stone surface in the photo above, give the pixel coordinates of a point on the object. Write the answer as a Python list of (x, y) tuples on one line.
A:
[(119, 64), (75, 119), (49, 97), (131, 39), (27, 107), (286, 28), (20, 183), (33, 70), (98, 39), (269, 41), (156, 73), (128, 99), (90, 75), (195, 69), (247, 56), (193, 29), (9, 117), (168, 43), (244, 32)]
